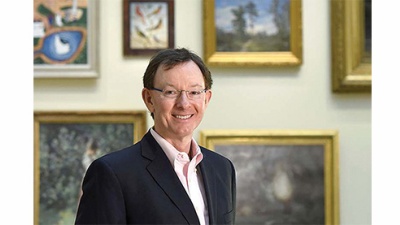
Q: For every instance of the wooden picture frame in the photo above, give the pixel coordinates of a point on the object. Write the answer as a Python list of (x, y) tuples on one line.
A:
[(351, 60), (279, 53), (65, 39), (282, 177), (148, 26), (65, 143)]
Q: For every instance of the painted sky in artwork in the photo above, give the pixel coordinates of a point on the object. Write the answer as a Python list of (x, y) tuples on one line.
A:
[(263, 23)]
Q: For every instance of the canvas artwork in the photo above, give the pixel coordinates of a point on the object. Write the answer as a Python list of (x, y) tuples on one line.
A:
[(278, 184), (65, 38), (60, 32), (282, 176), (65, 144), (149, 27), (368, 31), (252, 33), (252, 25), (66, 151)]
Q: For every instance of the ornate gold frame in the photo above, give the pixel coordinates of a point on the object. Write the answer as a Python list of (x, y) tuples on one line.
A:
[(327, 138), (137, 118), (351, 69), (290, 58)]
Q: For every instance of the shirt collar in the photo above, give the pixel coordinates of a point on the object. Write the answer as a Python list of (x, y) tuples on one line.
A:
[(172, 152)]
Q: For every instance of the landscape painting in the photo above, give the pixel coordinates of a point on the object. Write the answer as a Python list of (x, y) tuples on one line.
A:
[(282, 176), (278, 184), (252, 25)]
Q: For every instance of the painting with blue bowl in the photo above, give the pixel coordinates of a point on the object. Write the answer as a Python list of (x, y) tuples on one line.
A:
[(63, 38)]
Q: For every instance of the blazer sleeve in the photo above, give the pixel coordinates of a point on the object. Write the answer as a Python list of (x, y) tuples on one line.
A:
[(233, 192), (102, 200)]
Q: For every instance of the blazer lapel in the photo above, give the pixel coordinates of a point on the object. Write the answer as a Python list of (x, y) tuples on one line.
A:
[(162, 171), (208, 174)]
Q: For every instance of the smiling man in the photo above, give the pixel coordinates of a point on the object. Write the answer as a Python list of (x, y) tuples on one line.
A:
[(166, 178)]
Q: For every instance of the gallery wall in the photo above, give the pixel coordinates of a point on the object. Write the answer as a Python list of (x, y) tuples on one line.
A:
[(279, 98)]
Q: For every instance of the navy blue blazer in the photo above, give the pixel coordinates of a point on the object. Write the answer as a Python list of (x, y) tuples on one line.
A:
[(138, 185)]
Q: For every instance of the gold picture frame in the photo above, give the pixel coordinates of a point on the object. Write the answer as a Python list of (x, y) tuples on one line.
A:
[(65, 143), (288, 177), (351, 63), (291, 57)]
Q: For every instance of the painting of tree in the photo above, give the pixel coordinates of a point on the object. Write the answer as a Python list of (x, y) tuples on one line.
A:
[(252, 25)]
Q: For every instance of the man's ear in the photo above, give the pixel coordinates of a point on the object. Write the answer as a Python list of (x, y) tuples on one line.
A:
[(208, 96), (148, 99)]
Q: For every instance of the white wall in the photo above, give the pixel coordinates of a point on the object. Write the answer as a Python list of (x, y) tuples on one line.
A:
[(245, 98)]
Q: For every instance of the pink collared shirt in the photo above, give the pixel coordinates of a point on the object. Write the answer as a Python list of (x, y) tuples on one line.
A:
[(187, 173)]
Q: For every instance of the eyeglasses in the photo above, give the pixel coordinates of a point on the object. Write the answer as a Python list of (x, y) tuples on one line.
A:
[(174, 94)]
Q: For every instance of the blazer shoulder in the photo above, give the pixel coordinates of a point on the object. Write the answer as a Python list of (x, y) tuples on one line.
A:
[(216, 158), (209, 153), (138, 154), (123, 156)]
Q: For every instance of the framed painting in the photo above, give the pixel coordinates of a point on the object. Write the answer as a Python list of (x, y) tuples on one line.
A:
[(148, 26), (65, 143), (282, 177), (252, 32), (65, 39), (351, 45)]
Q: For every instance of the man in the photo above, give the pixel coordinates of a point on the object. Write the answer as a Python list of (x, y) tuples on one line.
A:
[(166, 178)]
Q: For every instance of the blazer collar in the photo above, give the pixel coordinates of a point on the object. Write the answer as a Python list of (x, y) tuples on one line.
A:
[(163, 173), (209, 180)]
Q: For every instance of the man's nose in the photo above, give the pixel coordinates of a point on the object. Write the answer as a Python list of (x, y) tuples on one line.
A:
[(182, 99)]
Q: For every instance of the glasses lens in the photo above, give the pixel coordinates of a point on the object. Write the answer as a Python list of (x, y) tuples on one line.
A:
[(195, 94), (191, 94), (170, 93)]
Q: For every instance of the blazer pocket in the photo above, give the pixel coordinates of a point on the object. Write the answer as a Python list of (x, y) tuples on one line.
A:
[(229, 217)]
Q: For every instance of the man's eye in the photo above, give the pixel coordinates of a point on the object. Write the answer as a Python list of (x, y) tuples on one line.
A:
[(195, 92), (169, 92)]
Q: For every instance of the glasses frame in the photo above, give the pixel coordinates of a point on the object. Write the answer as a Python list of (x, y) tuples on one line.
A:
[(180, 93)]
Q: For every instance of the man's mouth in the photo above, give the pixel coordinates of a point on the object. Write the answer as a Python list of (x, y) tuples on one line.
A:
[(183, 117)]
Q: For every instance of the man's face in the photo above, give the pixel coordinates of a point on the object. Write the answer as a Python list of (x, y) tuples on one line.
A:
[(176, 118)]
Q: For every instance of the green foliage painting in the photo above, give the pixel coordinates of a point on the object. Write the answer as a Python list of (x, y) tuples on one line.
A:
[(66, 150)]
